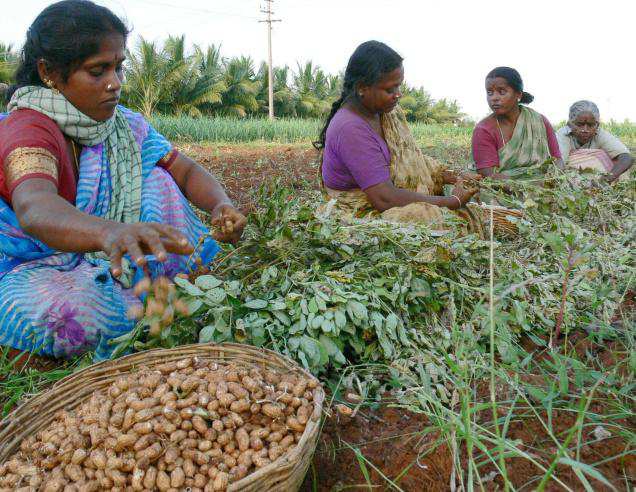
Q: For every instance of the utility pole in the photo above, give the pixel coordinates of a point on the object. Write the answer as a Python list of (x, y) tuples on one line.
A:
[(270, 71)]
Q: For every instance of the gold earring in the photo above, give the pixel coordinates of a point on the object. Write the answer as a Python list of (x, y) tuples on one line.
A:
[(50, 84)]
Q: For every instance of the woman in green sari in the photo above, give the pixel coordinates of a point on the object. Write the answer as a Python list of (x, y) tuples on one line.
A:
[(514, 138)]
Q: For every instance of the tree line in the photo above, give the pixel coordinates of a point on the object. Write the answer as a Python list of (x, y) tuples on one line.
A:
[(170, 78)]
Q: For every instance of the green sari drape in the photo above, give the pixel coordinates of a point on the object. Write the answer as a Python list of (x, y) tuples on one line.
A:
[(528, 146)]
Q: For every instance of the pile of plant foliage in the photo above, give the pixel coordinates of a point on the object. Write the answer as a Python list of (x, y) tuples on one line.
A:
[(331, 293)]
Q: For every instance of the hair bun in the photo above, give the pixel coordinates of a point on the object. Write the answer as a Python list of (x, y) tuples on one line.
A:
[(526, 98)]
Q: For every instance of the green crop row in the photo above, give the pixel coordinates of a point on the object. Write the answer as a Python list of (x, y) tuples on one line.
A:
[(293, 130)]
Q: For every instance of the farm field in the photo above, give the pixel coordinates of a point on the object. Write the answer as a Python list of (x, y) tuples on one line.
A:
[(462, 407)]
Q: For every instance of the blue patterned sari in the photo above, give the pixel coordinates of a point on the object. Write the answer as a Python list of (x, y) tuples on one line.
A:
[(63, 304)]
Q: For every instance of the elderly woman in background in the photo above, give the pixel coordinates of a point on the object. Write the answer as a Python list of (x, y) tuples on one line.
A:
[(514, 138), (584, 145)]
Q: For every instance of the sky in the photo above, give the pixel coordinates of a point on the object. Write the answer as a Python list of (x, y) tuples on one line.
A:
[(565, 50)]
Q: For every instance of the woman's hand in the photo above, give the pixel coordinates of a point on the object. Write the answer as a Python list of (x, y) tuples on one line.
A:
[(229, 223), (470, 176), (463, 191), (142, 238)]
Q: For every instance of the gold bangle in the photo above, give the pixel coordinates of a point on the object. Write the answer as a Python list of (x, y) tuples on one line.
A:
[(458, 201)]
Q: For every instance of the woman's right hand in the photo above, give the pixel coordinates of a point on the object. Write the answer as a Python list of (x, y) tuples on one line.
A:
[(463, 193), (142, 238)]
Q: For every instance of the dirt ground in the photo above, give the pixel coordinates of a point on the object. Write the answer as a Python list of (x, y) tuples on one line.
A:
[(389, 441), (242, 169), (397, 444)]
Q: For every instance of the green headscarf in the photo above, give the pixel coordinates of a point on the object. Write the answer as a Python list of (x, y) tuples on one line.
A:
[(122, 151), (528, 145)]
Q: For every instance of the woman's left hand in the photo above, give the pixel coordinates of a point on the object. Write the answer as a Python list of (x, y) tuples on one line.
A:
[(229, 224), (450, 176), (470, 176)]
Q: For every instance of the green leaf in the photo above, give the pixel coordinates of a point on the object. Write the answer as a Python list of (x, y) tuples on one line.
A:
[(332, 349), (378, 321), (387, 347), (312, 349), (320, 302), (304, 307), (587, 469), (189, 288), (277, 305), (256, 304), (391, 324), (234, 288), (563, 379), (357, 310), (215, 296), (537, 393), (282, 317), (328, 326), (193, 306), (312, 306), (207, 282), (206, 335), (265, 277), (404, 338), (340, 319)]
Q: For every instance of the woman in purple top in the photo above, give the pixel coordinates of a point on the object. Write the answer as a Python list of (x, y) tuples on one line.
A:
[(356, 155)]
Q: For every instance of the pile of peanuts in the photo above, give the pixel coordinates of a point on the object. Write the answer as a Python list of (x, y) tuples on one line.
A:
[(191, 424)]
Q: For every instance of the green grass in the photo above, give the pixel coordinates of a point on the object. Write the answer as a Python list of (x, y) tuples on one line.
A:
[(186, 129), (20, 383)]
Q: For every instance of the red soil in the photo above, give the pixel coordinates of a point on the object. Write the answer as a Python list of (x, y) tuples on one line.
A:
[(243, 169)]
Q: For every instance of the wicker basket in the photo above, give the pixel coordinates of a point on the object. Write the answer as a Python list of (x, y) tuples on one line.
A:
[(284, 474), (501, 218)]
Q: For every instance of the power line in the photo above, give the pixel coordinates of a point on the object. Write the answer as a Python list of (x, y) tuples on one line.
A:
[(194, 9), (270, 71)]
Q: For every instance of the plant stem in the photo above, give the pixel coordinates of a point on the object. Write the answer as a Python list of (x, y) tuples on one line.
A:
[(491, 300), (564, 290)]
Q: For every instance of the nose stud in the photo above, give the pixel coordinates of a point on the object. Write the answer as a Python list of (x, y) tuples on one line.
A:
[(109, 87)]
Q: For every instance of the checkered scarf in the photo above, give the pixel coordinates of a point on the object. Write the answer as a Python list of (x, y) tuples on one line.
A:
[(121, 148)]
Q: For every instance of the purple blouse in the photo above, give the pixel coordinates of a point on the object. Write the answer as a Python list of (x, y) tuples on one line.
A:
[(355, 156)]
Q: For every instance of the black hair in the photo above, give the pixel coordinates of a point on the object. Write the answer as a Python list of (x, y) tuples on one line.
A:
[(369, 62), (514, 80), (64, 35)]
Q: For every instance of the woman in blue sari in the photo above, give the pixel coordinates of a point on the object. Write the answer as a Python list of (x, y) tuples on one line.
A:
[(92, 198)]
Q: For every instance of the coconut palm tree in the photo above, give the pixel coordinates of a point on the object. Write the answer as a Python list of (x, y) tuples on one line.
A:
[(200, 85), (311, 90), (210, 86), (334, 83), (283, 95), (151, 75), (242, 88)]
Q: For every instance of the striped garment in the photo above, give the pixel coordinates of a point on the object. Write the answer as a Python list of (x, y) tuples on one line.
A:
[(527, 147), (63, 304), (596, 159)]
